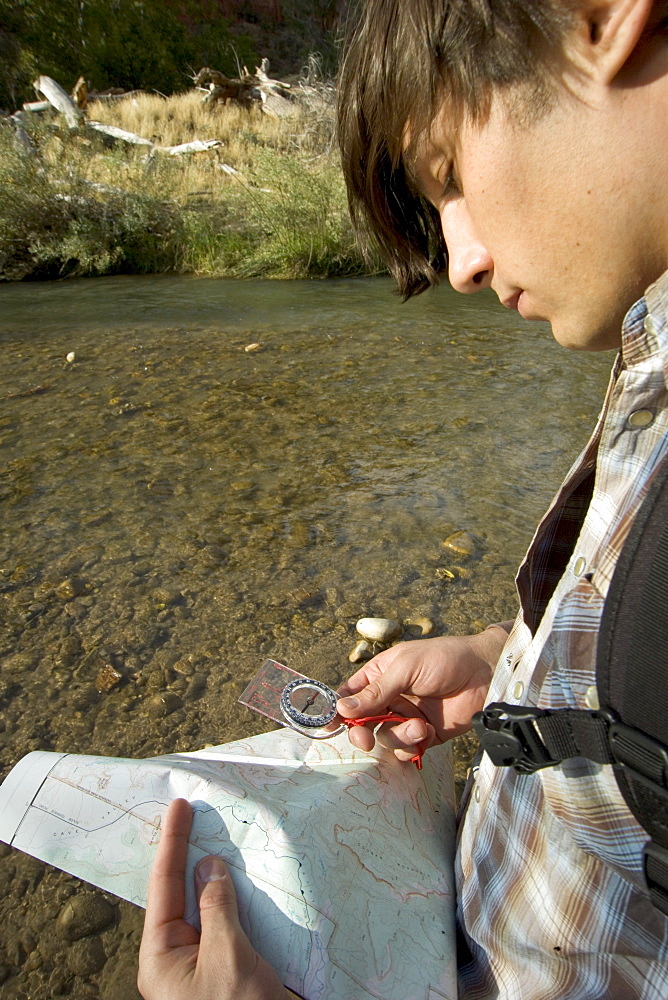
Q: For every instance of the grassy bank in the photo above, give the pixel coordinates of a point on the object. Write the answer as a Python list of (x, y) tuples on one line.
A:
[(72, 205)]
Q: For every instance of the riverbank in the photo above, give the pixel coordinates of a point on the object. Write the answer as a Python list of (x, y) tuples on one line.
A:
[(177, 508), (269, 201)]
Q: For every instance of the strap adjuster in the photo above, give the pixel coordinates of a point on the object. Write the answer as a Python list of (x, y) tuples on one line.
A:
[(508, 735), (655, 866), (642, 755)]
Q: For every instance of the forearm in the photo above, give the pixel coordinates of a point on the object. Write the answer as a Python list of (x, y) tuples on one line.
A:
[(496, 640), (488, 645)]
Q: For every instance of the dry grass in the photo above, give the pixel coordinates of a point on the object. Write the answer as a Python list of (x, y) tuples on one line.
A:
[(182, 118), (109, 209), (245, 135)]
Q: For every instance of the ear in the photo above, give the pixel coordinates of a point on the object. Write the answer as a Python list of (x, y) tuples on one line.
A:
[(613, 31)]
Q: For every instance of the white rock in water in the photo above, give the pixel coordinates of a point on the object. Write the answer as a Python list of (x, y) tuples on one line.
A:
[(378, 629), (362, 651), (252, 347), (425, 624), (70, 357)]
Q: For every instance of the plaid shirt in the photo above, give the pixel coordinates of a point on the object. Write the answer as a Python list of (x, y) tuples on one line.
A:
[(551, 899)]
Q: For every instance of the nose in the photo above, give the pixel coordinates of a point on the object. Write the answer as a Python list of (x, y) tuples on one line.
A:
[(470, 267)]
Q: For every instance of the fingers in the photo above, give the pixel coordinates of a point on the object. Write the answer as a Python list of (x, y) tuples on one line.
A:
[(372, 689), (382, 684), (166, 890), (403, 738), (362, 738), (405, 735), (361, 677), (221, 929)]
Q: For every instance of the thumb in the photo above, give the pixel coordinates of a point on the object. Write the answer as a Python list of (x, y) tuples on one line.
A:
[(377, 688), (217, 903)]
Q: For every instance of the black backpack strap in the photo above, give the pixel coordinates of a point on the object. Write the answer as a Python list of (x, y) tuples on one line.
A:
[(631, 730), (529, 739), (632, 674)]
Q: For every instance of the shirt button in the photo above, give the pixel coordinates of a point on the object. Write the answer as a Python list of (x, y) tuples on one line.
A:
[(476, 794), (580, 563), (591, 698), (640, 418), (518, 690)]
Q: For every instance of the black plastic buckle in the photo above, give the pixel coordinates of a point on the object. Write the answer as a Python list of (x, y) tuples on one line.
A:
[(655, 865), (508, 735)]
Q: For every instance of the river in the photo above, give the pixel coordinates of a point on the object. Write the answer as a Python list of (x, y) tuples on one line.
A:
[(227, 470)]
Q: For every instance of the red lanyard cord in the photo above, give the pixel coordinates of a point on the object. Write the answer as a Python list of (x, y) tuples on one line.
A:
[(389, 717)]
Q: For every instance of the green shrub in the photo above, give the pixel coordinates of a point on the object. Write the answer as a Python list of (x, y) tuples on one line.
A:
[(292, 224), (70, 205), (55, 221)]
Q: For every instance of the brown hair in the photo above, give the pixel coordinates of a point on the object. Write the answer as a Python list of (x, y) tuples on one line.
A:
[(403, 61)]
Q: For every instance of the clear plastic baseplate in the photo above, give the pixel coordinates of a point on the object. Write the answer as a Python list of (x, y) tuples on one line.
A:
[(293, 700)]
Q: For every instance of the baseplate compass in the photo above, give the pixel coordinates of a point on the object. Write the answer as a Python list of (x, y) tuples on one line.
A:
[(291, 699), (307, 705)]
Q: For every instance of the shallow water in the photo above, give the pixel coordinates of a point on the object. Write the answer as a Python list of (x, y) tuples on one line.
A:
[(176, 508)]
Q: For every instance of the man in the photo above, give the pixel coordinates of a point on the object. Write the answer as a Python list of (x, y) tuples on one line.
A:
[(522, 145)]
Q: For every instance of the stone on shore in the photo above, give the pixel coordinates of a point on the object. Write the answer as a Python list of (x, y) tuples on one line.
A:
[(378, 629), (361, 652)]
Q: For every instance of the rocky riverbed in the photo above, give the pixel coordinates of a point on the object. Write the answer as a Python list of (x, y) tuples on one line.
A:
[(176, 508)]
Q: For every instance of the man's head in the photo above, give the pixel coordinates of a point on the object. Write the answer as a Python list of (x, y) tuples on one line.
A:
[(520, 144)]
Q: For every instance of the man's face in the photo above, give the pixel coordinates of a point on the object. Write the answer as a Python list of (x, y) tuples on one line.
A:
[(553, 214)]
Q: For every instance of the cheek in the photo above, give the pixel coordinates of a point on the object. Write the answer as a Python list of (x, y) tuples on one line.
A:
[(497, 194), (514, 210)]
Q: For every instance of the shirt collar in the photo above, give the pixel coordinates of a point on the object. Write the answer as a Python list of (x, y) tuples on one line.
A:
[(645, 328)]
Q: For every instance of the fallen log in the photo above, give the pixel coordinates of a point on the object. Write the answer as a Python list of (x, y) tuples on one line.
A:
[(120, 134), (196, 146), (266, 81), (223, 89), (277, 105), (111, 92), (274, 96), (36, 106), (60, 100)]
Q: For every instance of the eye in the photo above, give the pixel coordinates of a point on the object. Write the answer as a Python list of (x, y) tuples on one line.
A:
[(451, 186)]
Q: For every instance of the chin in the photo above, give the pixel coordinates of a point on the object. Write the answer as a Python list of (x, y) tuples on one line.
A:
[(581, 337)]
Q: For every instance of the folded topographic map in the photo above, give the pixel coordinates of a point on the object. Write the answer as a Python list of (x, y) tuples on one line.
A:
[(342, 860)]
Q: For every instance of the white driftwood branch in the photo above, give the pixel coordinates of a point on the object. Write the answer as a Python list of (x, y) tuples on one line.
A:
[(36, 106), (60, 100), (120, 133), (196, 146), (278, 105), (261, 74)]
